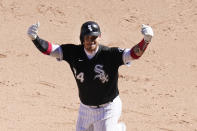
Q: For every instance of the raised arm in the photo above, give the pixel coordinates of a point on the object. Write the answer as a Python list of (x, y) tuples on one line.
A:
[(44, 46), (136, 51)]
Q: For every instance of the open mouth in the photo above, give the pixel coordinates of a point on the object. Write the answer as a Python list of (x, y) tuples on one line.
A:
[(92, 44)]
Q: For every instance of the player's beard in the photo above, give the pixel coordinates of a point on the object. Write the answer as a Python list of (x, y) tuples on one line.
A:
[(91, 47)]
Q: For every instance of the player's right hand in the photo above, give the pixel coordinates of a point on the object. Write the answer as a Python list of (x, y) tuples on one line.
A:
[(32, 31)]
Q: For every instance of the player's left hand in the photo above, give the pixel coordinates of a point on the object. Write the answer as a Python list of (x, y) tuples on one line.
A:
[(147, 31)]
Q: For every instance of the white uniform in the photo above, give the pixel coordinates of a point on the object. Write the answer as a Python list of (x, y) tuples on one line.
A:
[(104, 118)]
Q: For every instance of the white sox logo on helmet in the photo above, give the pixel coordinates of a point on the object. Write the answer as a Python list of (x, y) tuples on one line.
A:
[(90, 27)]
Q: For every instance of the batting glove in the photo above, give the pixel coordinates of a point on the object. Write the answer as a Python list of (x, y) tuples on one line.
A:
[(33, 31), (147, 31)]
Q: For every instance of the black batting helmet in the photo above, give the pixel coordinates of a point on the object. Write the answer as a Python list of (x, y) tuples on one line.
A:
[(89, 28)]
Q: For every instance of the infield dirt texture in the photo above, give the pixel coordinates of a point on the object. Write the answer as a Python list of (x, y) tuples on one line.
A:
[(159, 91)]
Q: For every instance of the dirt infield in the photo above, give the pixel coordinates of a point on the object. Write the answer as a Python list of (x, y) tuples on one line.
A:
[(159, 91)]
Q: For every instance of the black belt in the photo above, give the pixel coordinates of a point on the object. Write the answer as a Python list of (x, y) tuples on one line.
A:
[(99, 106)]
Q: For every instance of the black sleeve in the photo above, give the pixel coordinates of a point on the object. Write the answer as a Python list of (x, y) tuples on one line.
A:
[(117, 56), (41, 44), (68, 51)]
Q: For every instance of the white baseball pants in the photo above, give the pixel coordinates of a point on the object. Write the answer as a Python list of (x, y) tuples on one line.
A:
[(100, 119)]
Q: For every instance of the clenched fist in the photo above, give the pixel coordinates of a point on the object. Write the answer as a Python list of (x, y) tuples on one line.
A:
[(147, 31)]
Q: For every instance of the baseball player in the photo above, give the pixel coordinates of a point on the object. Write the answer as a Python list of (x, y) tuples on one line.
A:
[(95, 68)]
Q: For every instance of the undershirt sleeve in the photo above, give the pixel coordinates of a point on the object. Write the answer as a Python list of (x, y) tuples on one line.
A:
[(57, 52), (127, 57)]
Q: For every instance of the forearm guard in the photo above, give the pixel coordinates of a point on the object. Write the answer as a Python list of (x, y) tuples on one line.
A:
[(43, 46), (138, 50)]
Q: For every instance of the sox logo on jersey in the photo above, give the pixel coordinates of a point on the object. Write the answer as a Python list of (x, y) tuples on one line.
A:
[(100, 74)]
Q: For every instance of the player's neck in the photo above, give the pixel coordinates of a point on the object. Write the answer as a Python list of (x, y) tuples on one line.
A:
[(90, 55)]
